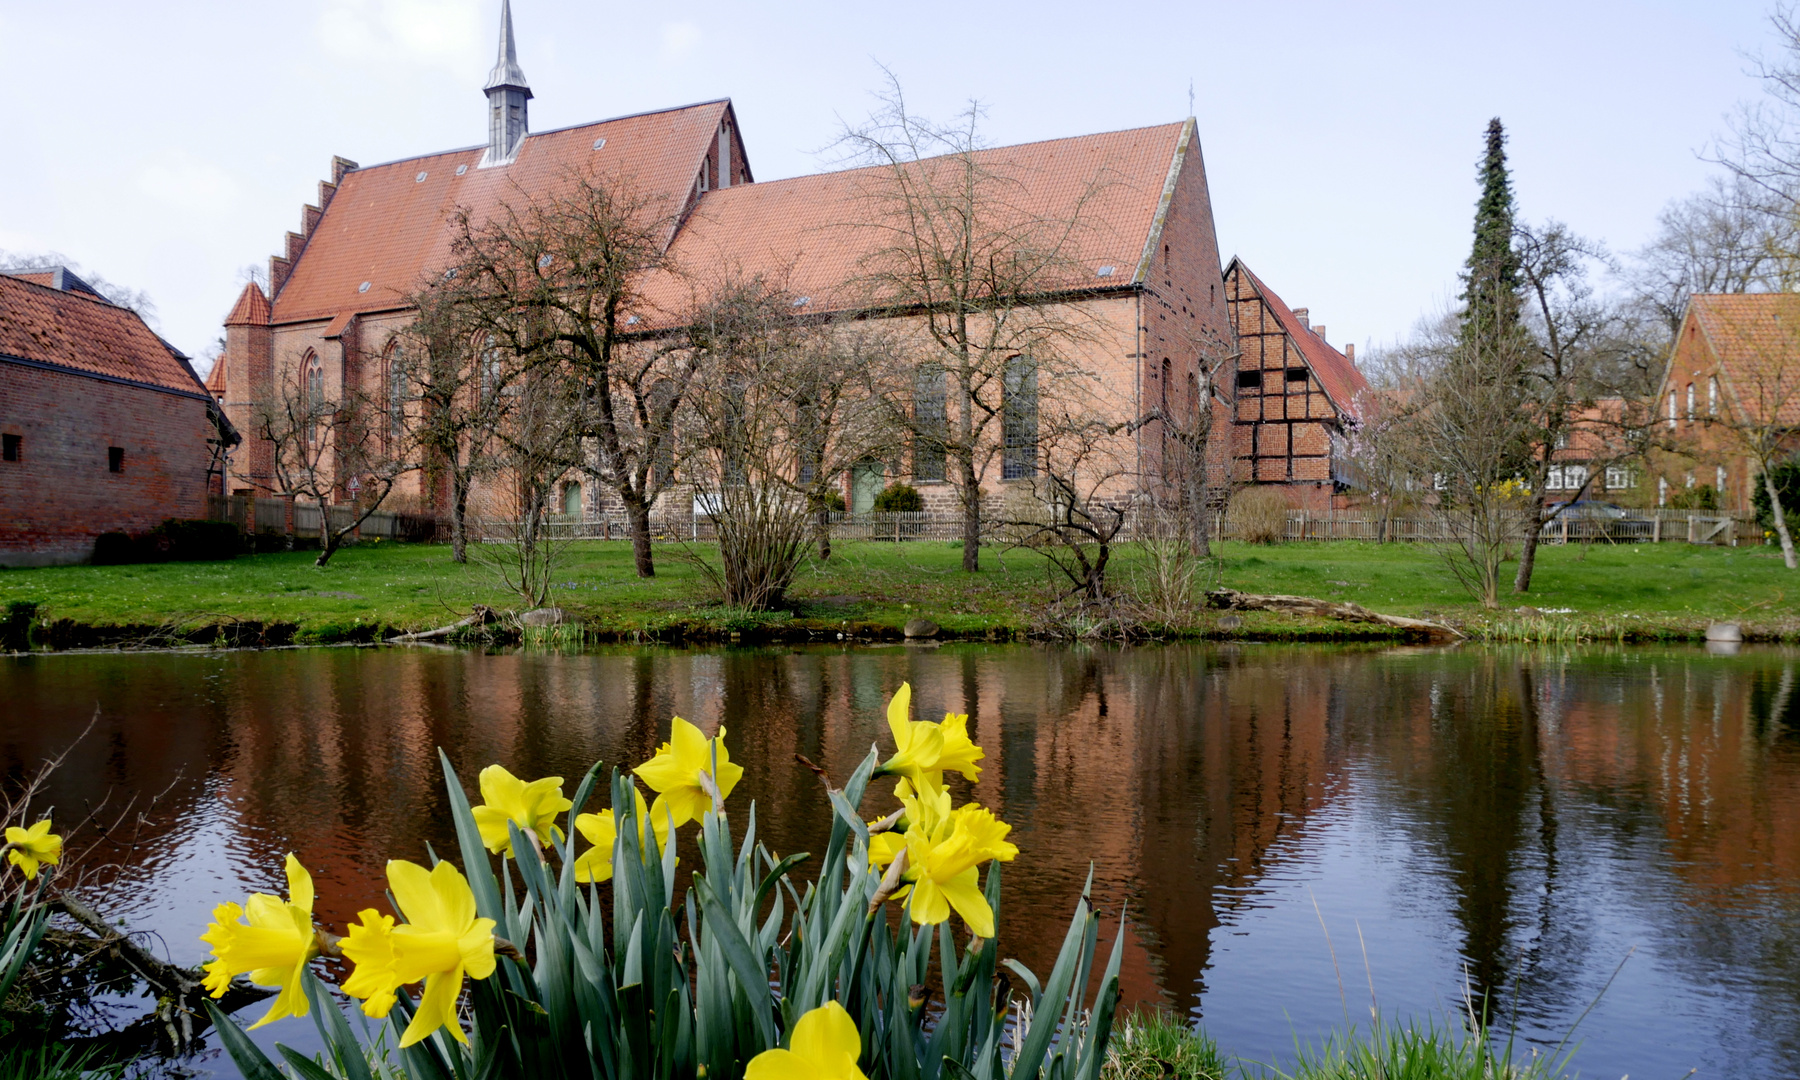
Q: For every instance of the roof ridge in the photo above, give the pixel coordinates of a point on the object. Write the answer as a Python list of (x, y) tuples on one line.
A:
[(92, 297), (953, 153), (535, 134)]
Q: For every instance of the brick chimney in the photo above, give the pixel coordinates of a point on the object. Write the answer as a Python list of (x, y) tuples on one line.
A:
[(1319, 330), (1301, 313), (1350, 354)]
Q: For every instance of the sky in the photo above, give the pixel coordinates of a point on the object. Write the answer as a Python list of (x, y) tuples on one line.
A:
[(169, 146)]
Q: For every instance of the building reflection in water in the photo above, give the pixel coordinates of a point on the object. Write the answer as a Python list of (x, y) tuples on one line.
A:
[(1521, 817)]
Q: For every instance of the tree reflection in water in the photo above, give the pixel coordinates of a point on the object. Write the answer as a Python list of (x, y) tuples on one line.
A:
[(1522, 816)]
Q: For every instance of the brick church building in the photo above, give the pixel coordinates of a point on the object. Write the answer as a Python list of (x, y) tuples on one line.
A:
[(103, 425), (1146, 276)]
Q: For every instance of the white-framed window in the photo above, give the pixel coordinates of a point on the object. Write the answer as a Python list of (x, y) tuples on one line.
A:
[(1672, 408), (1712, 395), (1721, 477), (1566, 478), (1662, 491), (1690, 402), (1620, 477)]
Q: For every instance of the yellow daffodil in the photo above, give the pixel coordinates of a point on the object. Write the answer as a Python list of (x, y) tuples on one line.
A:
[(675, 774), (506, 798), (601, 831), (32, 847), (942, 866), (824, 1045), (440, 942), (273, 945), (924, 751)]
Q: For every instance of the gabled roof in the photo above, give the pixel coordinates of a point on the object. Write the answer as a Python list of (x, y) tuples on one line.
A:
[(1755, 340), (75, 330), (814, 232), (387, 225), (1342, 381)]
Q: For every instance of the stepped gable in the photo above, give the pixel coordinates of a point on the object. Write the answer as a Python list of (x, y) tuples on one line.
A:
[(806, 232), (1756, 340), (1336, 374), (387, 225), (79, 331)]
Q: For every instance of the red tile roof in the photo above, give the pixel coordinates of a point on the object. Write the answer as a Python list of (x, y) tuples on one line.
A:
[(1756, 338), (251, 309), (1342, 381), (815, 233), (386, 224), (46, 278), (76, 330)]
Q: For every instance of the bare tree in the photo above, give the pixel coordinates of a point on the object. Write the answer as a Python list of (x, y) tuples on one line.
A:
[(1567, 394), (560, 281), (960, 252), (536, 446), (329, 450), (446, 392), (769, 430), (1729, 238), (1078, 502)]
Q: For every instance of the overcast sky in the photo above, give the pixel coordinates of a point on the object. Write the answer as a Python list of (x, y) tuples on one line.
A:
[(168, 146)]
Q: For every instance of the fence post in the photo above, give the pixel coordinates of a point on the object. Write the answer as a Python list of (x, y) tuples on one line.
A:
[(1656, 527), (1565, 527), (1692, 529)]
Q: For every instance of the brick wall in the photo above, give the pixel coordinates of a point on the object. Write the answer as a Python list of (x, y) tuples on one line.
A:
[(60, 494)]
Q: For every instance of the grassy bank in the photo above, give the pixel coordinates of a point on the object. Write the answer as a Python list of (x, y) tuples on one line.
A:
[(869, 591)]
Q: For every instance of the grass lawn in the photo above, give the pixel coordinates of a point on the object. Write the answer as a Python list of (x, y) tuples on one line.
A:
[(868, 588)]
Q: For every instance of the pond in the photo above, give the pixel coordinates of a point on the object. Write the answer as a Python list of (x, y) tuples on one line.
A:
[(1290, 830)]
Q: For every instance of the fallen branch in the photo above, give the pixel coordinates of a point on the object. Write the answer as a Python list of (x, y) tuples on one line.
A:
[(1325, 609), (481, 616), (178, 1019)]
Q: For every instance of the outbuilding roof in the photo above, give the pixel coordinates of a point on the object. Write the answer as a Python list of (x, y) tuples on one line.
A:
[(79, 331)]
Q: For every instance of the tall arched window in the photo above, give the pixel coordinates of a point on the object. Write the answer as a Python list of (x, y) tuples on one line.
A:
[(1162, 390), (928, 422), (1690, 402), (490, 369), (312, 398), (396, 397), (1019, 419), (1712, 395), (1672, 409)]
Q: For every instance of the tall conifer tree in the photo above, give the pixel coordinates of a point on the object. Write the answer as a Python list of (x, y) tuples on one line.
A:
[(1491, 278)]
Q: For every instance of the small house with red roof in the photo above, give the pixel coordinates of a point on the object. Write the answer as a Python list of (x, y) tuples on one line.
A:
[(103, 425), (1295, 396), (1145, 268), (1733, 378)]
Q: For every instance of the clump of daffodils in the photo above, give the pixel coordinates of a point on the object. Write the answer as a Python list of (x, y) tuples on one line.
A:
[(929, 853)]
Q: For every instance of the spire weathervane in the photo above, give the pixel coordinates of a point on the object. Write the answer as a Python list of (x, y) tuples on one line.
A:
[(507, 92)]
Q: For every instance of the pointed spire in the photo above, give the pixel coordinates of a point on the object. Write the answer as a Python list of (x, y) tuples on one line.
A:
[(507, 93), (507, 71)]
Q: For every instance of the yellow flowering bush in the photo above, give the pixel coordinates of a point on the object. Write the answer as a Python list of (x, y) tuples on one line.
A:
[(581, 957)]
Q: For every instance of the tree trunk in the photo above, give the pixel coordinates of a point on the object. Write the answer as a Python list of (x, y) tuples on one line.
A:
[(638, 512), (459, 520), (1528, 557), (971, 555), (328, 543), (1199, 543), (1780, 515), (824, 528)]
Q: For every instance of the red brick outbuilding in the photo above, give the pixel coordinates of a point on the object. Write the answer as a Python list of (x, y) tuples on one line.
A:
[(103, 425)]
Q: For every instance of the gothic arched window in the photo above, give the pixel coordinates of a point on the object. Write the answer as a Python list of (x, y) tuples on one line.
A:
[(396, 398), (1019, 419), (312, 398)]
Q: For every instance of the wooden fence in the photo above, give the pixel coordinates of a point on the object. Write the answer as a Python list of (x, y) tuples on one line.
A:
[(300, 519)]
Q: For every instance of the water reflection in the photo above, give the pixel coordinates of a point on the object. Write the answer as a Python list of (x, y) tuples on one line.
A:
[(1523, 818)]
